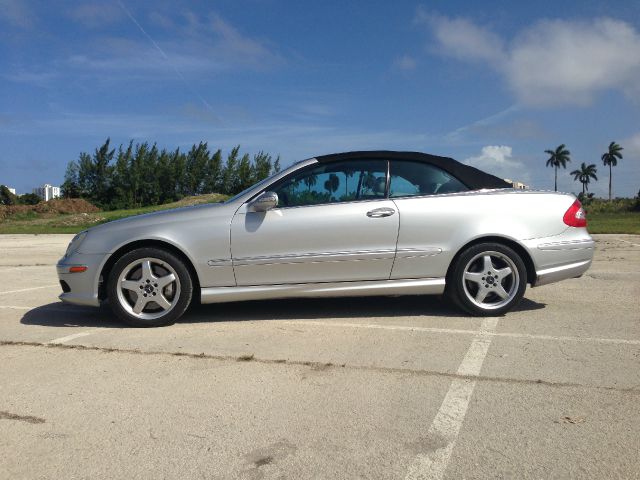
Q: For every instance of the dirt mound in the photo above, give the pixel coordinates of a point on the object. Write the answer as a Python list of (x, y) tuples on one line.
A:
[(66, 205), (80, 219), (8, 210), (52, 207), (200, 199)]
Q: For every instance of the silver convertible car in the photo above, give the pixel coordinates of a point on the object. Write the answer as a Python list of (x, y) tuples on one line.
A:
[(348, 224)]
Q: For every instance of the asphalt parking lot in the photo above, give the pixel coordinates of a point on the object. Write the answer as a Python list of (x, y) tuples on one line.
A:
[(401, 387)]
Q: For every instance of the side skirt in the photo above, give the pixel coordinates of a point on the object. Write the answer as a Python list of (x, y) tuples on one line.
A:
[(419, 286)]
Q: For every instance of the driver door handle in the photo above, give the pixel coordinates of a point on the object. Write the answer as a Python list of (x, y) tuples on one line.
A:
[(380, 212)]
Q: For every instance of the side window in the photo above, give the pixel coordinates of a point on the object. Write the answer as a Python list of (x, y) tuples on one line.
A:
[(419, 178), (344, 181)]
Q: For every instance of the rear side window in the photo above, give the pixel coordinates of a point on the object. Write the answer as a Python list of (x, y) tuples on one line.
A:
[(410, 179)]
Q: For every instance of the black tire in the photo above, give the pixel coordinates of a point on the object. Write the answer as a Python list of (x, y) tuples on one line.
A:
[(173, 298), (471, 278)]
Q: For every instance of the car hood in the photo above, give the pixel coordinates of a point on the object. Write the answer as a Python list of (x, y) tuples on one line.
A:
[(174, 226), (160, 217)]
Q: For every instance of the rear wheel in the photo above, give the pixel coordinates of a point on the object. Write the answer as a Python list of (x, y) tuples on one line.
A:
[(488, 279), (149, 287)]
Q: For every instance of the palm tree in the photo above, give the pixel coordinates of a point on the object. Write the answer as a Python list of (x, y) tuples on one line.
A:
[(348, 172), (584, 175), (332, 184), (611, 159), (310, 181), (558, 158)]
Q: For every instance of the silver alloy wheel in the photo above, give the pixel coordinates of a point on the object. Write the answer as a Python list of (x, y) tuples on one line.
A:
[(491, 280), (148, 288)]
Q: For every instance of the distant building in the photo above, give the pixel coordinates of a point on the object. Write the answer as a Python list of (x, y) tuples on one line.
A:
[(517, 185), (12, 190), (47, 192)]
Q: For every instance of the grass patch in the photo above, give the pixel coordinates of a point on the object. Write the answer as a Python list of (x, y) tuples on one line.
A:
[(620, 222), (25, 216), (617, 205), (41, 223)]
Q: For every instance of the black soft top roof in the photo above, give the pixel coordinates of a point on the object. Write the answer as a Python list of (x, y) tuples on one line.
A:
[(470, 176)]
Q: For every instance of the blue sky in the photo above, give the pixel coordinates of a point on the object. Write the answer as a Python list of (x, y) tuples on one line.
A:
[(491, 83)]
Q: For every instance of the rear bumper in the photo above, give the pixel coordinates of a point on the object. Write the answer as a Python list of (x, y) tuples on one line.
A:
[(561, 257), (555, 274)]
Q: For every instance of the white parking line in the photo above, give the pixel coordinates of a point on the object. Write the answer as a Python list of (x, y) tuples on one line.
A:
[(615, 341), (448, 421), (20, 267), (29, 289), (58, 307), (73, 336), (454, 331)]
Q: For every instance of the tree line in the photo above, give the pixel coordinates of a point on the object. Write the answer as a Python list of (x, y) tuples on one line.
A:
[(139, 175), (561, 155), (8, 198), (132, 176)]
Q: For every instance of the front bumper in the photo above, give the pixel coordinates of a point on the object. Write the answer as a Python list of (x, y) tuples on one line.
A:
[(81, 288)]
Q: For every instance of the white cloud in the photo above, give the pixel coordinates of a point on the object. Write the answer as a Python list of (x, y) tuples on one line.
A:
[(216, 38), (551, 62), (632, 146), (96, 14), (405, 62), (189, 45), (35, 78), (498, 160), (463, 39), (16, 13), (570, 62)]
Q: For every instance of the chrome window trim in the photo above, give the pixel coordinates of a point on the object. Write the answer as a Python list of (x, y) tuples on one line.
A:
[(312, 161), (433, 195), (332, 203)]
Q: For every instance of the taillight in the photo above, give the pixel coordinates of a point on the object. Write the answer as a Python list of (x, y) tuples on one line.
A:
[(575, 216)]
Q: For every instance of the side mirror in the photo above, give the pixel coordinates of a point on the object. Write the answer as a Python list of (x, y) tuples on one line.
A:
[(265, 201)]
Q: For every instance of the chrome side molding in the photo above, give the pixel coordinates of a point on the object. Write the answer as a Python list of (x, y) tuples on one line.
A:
[(568, 245), (413, 286), (316, 257)]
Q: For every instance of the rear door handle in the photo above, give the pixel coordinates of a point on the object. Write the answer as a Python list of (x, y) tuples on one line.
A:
[(380, 212)]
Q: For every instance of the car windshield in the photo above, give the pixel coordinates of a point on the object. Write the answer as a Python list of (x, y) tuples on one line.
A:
[(261, 182), (255, 185)]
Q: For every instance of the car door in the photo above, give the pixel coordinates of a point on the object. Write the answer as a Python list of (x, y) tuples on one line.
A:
[(432, 218), (333, 223)]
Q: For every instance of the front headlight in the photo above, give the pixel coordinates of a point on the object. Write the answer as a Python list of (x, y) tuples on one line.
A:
[(75, 243)]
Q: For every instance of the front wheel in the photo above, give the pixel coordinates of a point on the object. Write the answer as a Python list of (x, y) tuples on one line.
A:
[(488, 279), (149, 287)]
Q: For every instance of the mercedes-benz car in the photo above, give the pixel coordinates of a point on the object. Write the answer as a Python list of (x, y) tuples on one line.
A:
[(348, 224)]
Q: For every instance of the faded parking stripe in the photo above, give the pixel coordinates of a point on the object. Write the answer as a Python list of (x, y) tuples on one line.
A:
[(29, 289), (73, 336), (458, 331), (448, 421)]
